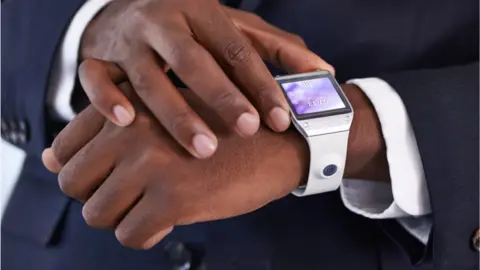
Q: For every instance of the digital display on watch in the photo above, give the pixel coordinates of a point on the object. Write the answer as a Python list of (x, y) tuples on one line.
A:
[(314, 97)]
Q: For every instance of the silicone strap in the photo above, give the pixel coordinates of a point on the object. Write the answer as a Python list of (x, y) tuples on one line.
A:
[(328, 153)]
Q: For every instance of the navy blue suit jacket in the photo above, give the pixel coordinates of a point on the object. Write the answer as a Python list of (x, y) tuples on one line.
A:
[(427, 50)]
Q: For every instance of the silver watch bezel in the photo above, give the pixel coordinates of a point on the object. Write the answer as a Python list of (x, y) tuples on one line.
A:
[(319, 123)]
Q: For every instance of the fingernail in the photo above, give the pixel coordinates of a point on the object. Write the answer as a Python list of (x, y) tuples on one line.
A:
[(247, 124), (204, 145), (124, 118), (279, 118), (50, 161)]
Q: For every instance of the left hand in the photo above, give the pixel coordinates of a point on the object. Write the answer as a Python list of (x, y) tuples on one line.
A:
[(137, 180), (124, 173)]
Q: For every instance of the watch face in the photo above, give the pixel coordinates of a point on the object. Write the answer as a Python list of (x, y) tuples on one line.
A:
[(314, 96)]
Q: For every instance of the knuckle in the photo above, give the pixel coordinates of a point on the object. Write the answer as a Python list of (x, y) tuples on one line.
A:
[(69, 185), (296, 39), (66, 185), (58, 149), (151, 159), (224, 100), (140, 80), (237, 53), (263, 93), (182, 55), (184, 213), (253, 17), (144, 121), (93, 217), (126, 238), (139, 17), (180, 121), (141, 122)]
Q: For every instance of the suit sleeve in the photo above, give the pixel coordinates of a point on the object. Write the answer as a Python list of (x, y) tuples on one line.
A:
[(443, 107), (31, 34)]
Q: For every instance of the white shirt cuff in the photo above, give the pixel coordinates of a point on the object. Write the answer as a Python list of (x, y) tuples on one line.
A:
[(64, 70), (406, 197)]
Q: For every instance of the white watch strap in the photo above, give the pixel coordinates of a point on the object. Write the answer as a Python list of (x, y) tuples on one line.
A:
[(328, 153)]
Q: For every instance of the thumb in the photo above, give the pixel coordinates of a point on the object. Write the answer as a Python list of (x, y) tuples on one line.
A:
[(99, 79)]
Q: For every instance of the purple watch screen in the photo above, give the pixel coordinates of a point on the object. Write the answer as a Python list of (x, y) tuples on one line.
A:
[(313, 96)]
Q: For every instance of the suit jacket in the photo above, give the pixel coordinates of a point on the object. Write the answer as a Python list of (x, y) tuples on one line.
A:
[(427, 50)]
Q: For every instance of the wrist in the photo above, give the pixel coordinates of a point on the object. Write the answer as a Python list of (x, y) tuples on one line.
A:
[(282, 157), (290, 153), (366, 153)]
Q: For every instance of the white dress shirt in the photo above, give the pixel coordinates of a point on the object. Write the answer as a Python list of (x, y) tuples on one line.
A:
[(406, 198)]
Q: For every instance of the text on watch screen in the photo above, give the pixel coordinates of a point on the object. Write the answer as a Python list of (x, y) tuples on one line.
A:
[(313, 96)]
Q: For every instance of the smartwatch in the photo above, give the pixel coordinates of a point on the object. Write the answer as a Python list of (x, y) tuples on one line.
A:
[(323, 115)]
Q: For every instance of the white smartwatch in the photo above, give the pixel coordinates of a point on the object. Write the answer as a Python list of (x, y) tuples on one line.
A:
[(323, 115)]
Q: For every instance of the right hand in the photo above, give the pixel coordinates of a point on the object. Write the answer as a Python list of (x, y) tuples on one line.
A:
[(206, 45)]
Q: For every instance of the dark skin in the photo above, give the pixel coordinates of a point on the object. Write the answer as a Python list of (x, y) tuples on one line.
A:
[(216, 51), (139, 182)]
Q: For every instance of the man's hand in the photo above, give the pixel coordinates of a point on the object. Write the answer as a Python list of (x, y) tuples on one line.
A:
[(216, 51), (138, 181)]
